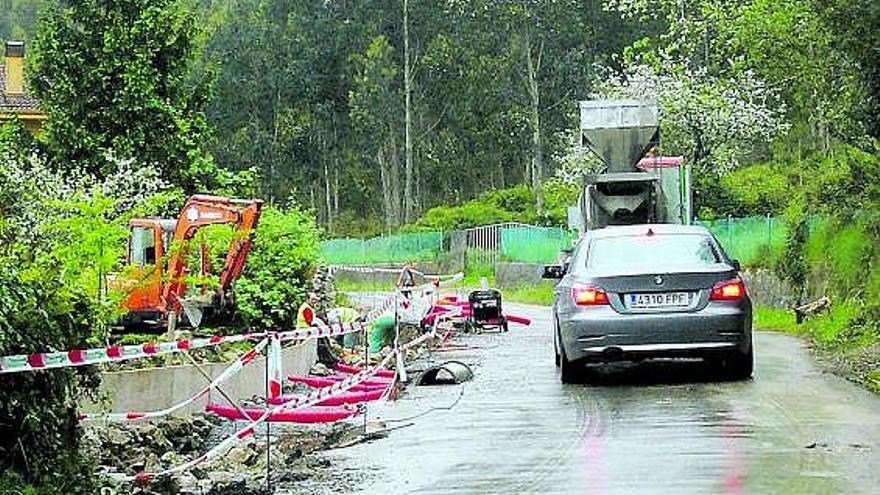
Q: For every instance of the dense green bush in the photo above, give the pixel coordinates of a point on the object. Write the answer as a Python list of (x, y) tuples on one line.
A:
[(60, 234), (471, 214), (759, 189), (279, 269), (514, 204), (39, 433), (841, 255)]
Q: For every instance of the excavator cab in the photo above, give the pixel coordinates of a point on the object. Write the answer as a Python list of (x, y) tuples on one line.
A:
[(155, 282), (148, 240)]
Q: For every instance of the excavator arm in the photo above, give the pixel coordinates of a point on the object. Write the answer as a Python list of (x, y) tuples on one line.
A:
[(200, 211)]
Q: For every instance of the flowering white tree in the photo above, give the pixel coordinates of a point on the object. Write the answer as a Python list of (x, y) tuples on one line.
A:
[(70, 222), (572, 160), (715, 122)]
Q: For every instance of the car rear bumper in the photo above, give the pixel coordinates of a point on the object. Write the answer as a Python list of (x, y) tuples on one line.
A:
[(603, 334)]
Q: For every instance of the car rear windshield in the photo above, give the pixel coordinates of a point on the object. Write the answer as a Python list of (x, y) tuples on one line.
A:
[(650, 253)]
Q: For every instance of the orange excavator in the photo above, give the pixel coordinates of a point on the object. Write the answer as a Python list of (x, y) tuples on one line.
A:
[(158, 250)]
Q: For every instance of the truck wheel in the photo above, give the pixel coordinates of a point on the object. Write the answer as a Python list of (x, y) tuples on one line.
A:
[(468, 326)]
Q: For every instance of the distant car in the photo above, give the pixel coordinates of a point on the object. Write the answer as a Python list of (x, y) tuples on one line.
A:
[(647, 291)]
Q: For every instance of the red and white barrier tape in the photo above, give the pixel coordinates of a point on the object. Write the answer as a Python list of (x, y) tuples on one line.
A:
[(364, 269), (236, 366), (306, 400), (433, 277), (431, 287), (113, 354), (332, 330), (376, 269)]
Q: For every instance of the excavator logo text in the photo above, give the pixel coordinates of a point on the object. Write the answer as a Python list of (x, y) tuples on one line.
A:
[(193, 214)]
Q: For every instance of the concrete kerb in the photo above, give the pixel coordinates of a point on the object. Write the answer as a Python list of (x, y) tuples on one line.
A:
[(156, 388)]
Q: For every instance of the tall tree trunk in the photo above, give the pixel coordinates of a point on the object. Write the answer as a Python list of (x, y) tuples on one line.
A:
[(533, 64), (275, 146), (327, 198), (385, 182), (407, 89), (336, 184), (336, 168), (394, 168)]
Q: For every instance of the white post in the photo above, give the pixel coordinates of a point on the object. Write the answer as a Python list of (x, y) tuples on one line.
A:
[(274, 370), (401, 362)]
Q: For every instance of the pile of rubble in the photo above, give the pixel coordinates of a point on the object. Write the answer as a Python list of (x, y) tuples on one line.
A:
[(153, 446)]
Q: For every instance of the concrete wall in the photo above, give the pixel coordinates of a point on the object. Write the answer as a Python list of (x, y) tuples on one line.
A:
[(766, 289), (158, 388), (519, 274)]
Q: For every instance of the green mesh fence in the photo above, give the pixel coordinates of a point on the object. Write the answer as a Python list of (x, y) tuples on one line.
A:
[(534, 244), (388, 249), (748, 239)]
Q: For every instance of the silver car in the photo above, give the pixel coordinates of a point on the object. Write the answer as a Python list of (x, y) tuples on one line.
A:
[(645, 291)]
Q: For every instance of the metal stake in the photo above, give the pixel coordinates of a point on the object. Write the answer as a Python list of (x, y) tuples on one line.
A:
[(220, 390), (268, 423), (366, 365)]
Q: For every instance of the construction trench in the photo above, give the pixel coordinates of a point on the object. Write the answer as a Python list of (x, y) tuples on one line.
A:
[(168, 455)]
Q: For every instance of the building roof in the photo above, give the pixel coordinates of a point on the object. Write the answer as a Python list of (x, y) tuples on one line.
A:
[(23, 103)]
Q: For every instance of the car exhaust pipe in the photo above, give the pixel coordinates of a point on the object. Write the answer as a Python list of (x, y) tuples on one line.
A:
[(612, 352)]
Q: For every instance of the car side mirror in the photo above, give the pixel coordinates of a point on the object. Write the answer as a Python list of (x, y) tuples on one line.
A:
[(736, 265), (553, 272)]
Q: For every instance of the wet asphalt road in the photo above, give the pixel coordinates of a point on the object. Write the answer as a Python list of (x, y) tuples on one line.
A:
[(649, 428)]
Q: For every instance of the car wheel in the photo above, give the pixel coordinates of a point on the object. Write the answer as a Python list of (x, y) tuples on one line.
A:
[(568, 371), (741, 365), (556, 348), (556, 352)]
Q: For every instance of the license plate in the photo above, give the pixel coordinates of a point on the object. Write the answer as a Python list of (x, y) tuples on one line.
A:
[(659, 300)]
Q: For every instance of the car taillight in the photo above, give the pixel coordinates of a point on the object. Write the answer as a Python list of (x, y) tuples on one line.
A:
[(589, 296), (729, 290)]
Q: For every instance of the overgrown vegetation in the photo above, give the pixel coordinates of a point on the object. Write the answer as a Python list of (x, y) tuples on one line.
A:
[(60, 235), (279, 269), (39, 418), (514, 204)]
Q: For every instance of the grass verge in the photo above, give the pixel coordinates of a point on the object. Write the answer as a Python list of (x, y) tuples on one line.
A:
[(541, 294), (776, 319), (846, 339)]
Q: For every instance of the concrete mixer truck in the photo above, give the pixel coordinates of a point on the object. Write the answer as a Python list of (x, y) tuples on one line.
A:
[(638, 185)]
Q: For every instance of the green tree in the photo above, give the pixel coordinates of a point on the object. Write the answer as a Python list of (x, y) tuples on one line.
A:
[(15, 141), (375, 106), (116, 81), (39, 419), (279, 269)]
